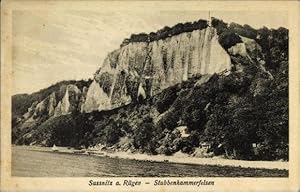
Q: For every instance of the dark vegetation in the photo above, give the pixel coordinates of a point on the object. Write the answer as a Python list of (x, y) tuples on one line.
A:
[(166, 32), (227, 37), (21, 102), (225, 111), (232, 112), (274, 42)]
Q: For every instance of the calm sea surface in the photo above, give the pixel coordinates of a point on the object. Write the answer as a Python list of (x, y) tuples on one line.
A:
[(30, 163)]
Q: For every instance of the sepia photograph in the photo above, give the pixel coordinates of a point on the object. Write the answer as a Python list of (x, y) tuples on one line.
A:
[(178, 95)]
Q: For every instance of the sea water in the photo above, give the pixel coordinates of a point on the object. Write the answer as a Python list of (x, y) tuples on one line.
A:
[(31, 163)]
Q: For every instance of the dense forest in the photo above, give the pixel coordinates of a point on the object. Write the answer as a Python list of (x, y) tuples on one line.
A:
[(243, 115)]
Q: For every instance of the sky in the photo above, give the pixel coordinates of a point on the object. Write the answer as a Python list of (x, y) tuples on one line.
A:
[(50, 46)]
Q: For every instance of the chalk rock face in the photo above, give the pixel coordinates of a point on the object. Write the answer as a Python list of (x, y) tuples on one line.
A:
[(52, 104), (44, 108), (96, 98), (57, 111), (146, 68), (251, 44), (30, 110), (248, 46), (41, 108), (72, 100), (69, 102), (238, 49), (64, 99), (65, 104), (141, 92), (74, 95)]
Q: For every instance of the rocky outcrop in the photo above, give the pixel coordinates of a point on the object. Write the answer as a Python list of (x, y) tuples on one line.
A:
[(238, 49), (41, 108), (189, 102), (248, 46), (52, 104), (141, 92), (146, 68), (69, 102), (57, 111), (139, 70), (95, 98), (30, 110)]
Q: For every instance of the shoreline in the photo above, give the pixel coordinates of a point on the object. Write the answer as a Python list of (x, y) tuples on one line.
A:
[(178, 157)]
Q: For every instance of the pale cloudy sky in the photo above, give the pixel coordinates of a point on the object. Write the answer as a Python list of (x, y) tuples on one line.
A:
[(51, 46)]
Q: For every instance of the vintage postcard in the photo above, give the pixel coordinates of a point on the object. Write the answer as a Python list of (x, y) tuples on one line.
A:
[(149, 96)]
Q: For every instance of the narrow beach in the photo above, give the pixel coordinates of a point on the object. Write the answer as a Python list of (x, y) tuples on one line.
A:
[(176, 158)]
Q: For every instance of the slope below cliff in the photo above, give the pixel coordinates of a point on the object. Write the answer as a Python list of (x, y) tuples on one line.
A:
[(231, 112), (31, 110), (226, 85)]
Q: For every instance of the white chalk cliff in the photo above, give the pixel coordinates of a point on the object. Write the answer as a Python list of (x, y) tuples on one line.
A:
[(140, 70), (146, 68), (69, 102), (95, 98), (51, 106)]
